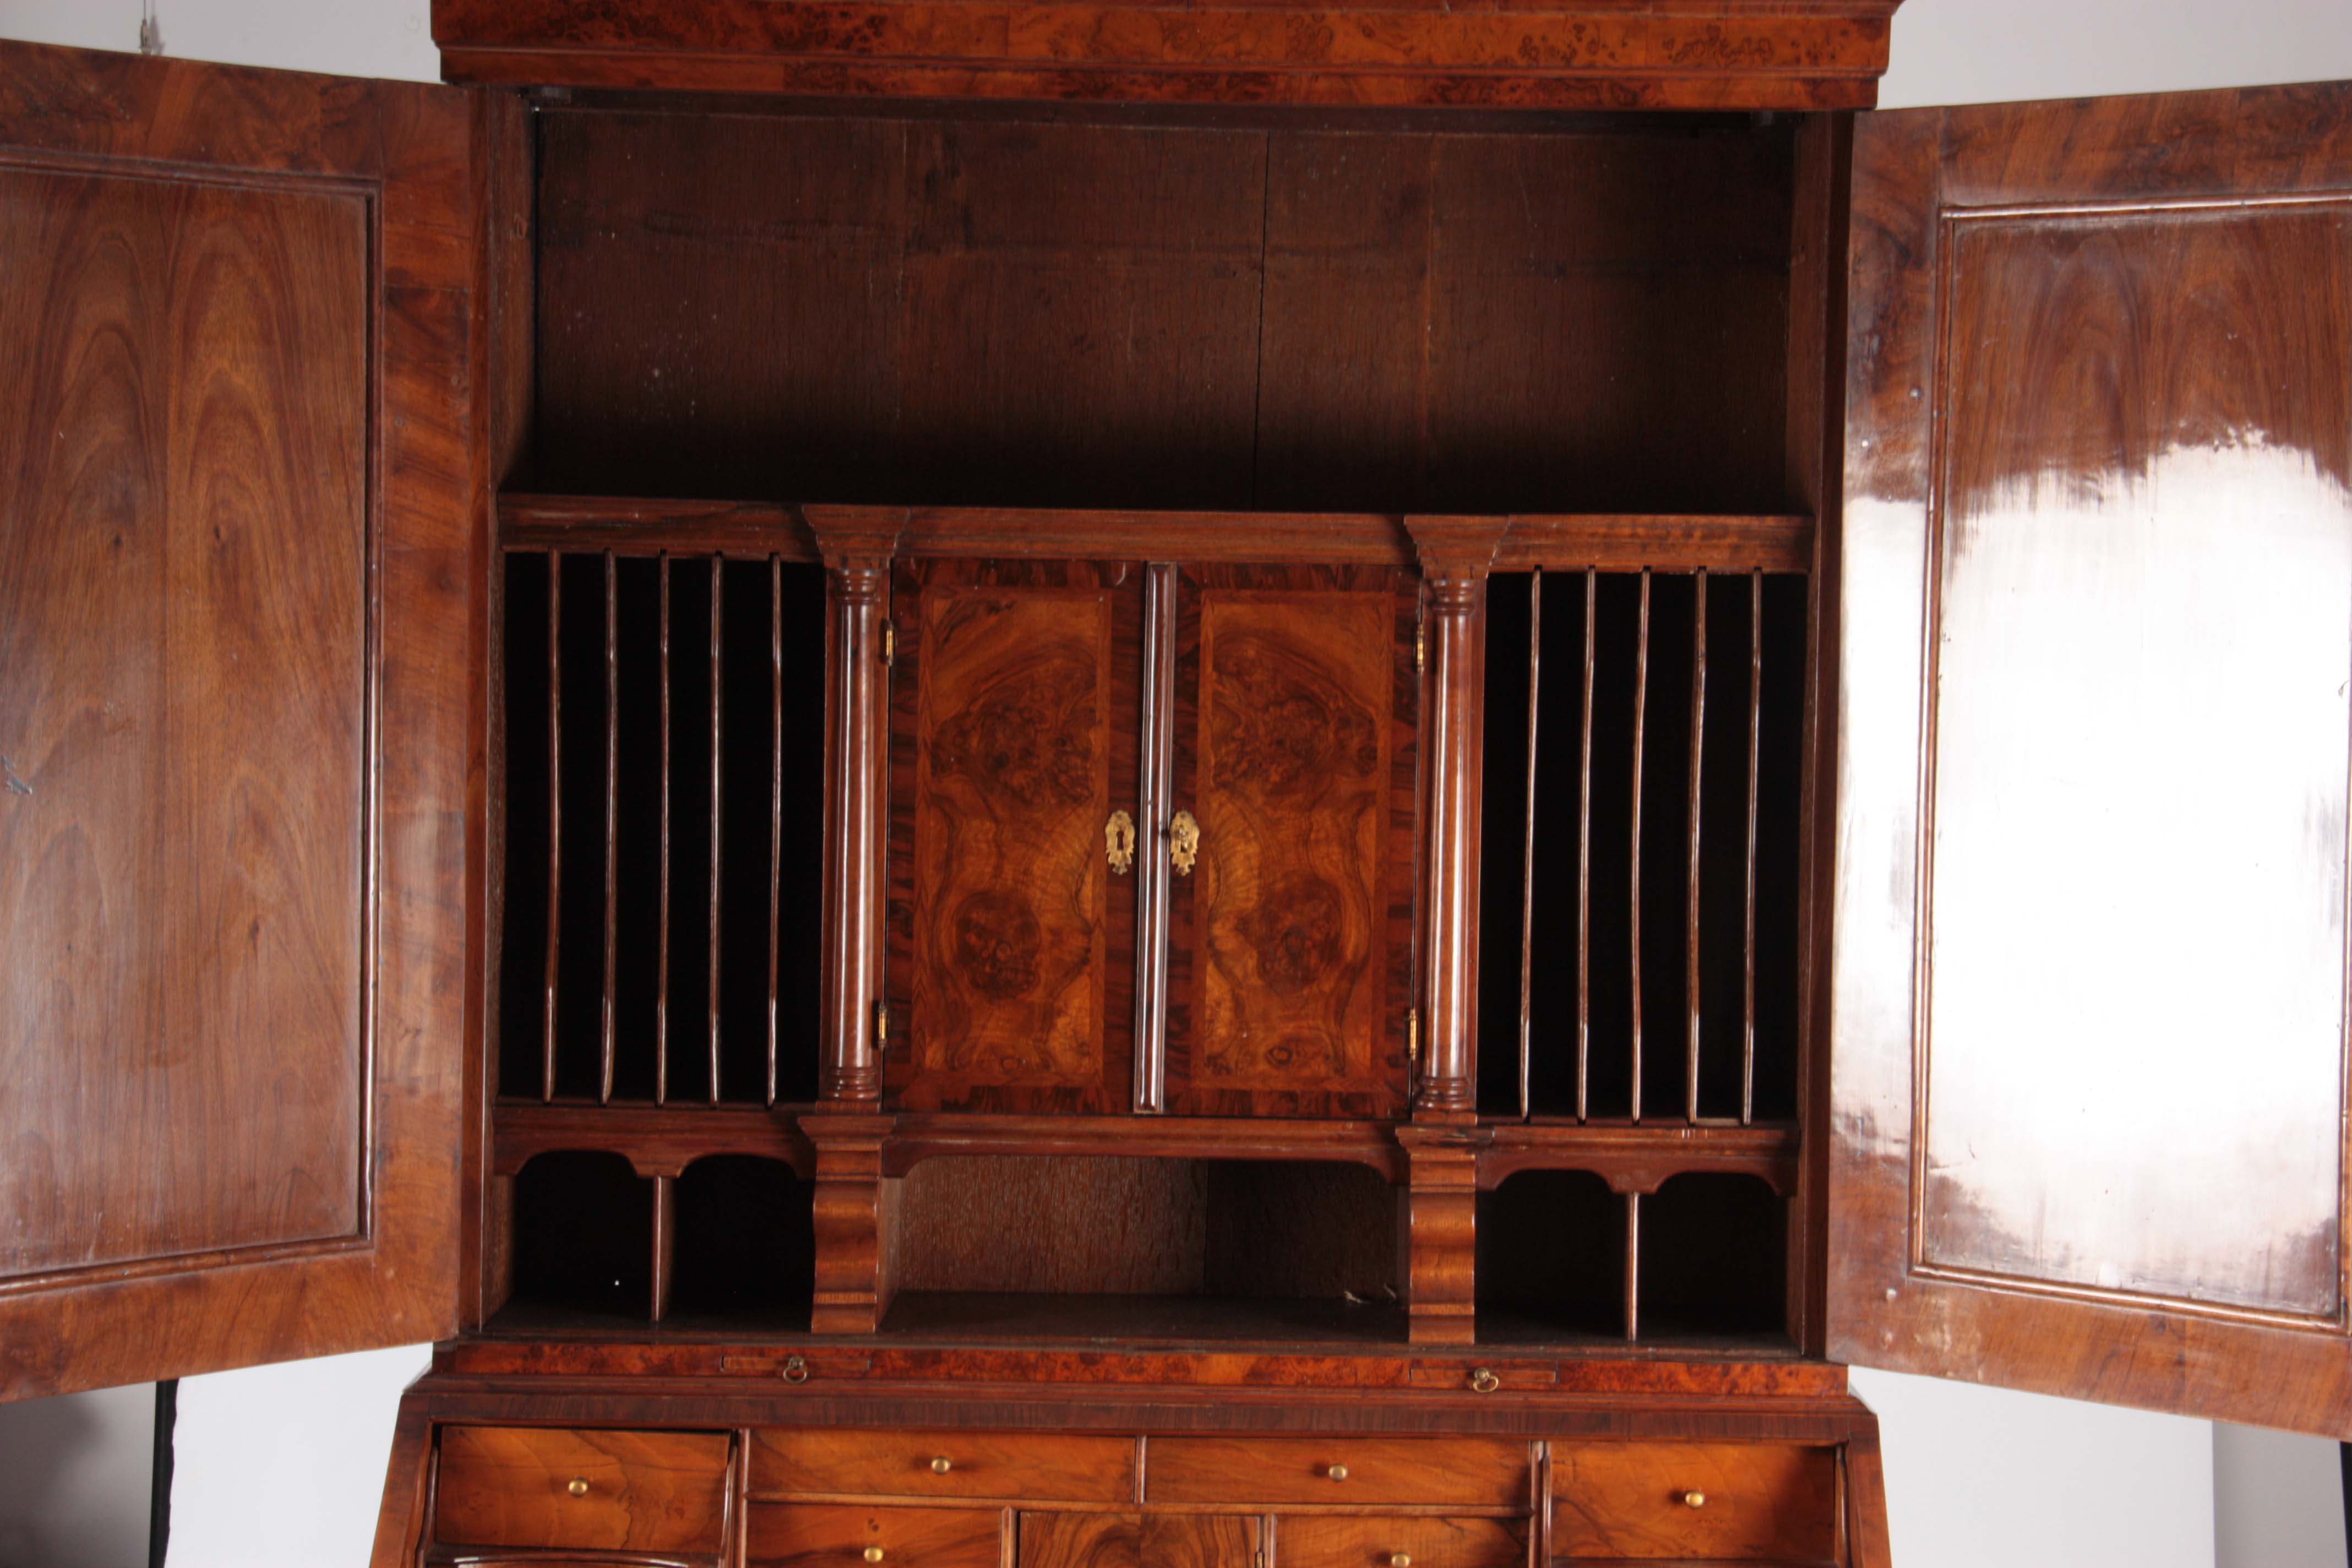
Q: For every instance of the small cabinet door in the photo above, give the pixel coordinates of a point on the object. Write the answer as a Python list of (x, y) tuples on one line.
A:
[(2088, 983), (1014, 744), (243, 502), (1291, 832)]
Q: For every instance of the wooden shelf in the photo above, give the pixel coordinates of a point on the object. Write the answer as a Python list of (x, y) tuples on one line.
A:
[(662, 1140), (1607, 542)]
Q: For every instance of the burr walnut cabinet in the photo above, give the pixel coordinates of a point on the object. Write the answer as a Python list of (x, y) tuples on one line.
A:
[(1146, 787)]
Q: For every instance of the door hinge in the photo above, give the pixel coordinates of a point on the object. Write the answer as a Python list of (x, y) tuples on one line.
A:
[(889, 644), (1420, 645), (1412, 1036), (881, 1027)]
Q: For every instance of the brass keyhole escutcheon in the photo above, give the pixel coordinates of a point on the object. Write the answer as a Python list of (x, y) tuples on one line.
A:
[(874, 1554), (1119, 843), (1484, 1380), (579, 1487), (940, 1467), (1337, 1472), (1694, 1499), (1184, 842)]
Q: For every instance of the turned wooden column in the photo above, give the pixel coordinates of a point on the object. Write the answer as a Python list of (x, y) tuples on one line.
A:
[(856, 543), (1455, 555)]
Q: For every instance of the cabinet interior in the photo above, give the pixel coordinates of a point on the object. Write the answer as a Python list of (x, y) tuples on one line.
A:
[(1329, 320)]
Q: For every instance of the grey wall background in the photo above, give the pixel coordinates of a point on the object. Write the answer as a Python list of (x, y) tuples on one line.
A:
[(281, 1466)]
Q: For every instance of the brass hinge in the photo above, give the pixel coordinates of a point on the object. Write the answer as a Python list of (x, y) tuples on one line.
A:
[(1412, 1036), (889, 644), (1421, 646), (881, 1026)]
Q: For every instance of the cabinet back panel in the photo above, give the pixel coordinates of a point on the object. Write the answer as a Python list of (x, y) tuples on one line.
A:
[(853, 307)]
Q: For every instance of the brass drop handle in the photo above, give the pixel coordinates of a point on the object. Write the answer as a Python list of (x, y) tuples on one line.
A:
[(940, 1467), (1337, 1472), (796, 1369), (579, 1487), (1484, 1381), (1694, 1499), (1119, 843), (874, 1554), (1184, 842)]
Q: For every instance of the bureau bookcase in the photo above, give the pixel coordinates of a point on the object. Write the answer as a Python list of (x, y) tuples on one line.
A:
[(1171, 787)]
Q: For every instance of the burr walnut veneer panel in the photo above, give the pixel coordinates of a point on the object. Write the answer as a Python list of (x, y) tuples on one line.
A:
[(1296, 698), (1016, 740)]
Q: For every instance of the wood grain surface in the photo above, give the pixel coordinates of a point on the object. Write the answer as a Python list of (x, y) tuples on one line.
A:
[(244, 521), (1297, 702), (1337, 1540), (1694, 1500), (520, 1486), (1728, 54), (1139, 1540), (1016, 732), (899, 305), (1032, 1465), (2097, 429), (1341, 1469), (820, 1535)]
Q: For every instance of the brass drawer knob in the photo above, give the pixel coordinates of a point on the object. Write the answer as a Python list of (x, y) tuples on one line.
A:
[(579, 1487), (940, 1467), (1337, 1472), (1399, 1560), (874, 1554), (1694, 1499), (1484, 1380)]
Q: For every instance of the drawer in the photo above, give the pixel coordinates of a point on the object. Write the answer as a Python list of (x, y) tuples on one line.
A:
[(1010, 1465), (1352, 1541), (1139, 1540), (637, 1491), (1692, 1499), (835, 1535), (1345, 1471)]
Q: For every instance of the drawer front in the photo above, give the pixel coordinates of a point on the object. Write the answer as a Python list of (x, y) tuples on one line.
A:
[(835, 1535), (1138, 1540), (1009, 1465), (1348, 1541), (638, 1491), (1345, 1471), (1692, 1499)]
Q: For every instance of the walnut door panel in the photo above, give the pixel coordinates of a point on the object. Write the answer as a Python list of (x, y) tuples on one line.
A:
[(590, 1491), (241, 591), (1291, 945), (2088, 1077), (1139, 1540), (1341, 1540), (833, 1535), (1006, 1465), (1684, 1501), (1013, 740), (1344, 1471)]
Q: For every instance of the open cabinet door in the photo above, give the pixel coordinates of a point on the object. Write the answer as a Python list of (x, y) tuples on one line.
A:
[(2090, 958), (242, 569)]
